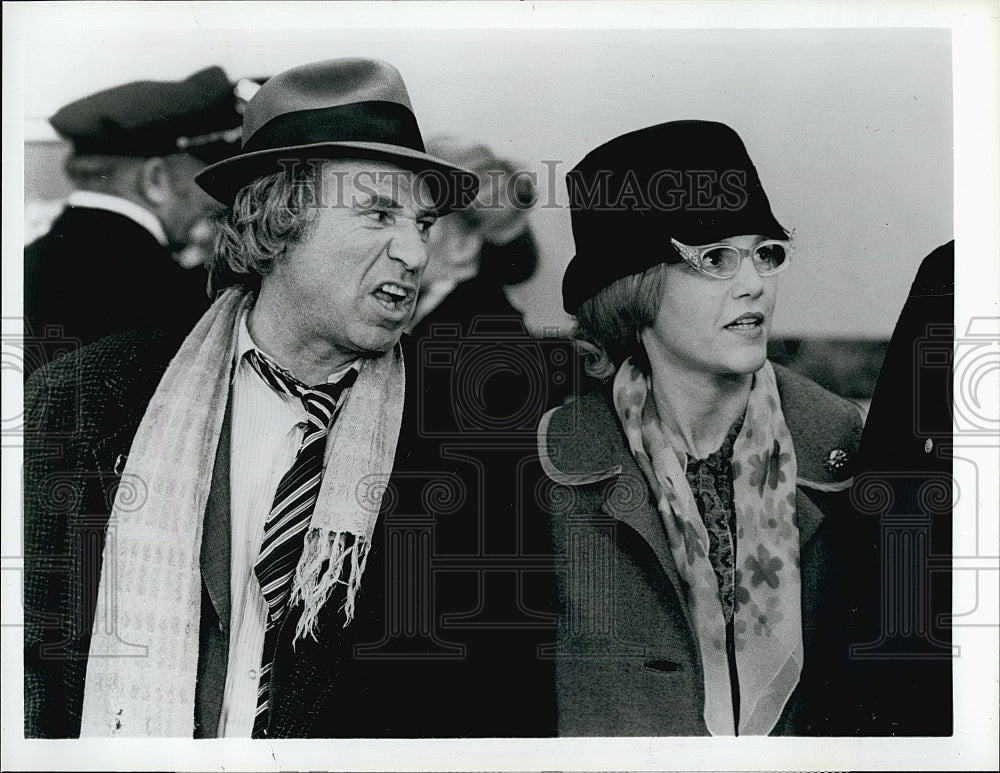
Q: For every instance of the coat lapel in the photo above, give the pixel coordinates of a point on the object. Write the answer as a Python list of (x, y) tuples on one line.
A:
[(629, 501), (214, 560), (808, 517), (215, 541)]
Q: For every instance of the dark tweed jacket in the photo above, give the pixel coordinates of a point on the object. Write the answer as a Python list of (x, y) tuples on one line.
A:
[(627, 662), (429, 652)]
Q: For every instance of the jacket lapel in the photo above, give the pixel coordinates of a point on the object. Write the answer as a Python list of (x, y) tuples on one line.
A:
[(215, 541), (214, 560), (808, 517), (628, 500)]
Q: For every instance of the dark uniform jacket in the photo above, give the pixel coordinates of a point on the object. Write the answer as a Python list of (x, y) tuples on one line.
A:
[(903, 492), (96, 273), (429, 653), (627, 662)]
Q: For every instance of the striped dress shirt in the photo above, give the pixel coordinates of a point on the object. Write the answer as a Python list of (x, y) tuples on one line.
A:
[(267, 429)]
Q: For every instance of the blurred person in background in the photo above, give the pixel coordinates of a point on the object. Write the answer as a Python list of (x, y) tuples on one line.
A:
[(472, 256), (463, 303), (702, 591), (200, 243), (482, 383), (902, 636), (107, 263)]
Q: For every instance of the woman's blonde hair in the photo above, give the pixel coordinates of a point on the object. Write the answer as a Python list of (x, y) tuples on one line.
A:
[(608, 323)]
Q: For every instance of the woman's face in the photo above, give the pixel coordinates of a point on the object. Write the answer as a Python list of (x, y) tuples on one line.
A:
[(713, 326)]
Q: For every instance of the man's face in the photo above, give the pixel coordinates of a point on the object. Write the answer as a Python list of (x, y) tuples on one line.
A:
[(185, 204), (349, 287)]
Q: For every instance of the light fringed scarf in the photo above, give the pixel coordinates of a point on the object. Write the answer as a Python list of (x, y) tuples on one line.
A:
[(767, 615), (142, 667)]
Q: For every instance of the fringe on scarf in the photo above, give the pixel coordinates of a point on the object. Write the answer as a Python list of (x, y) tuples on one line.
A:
[(321, 569)]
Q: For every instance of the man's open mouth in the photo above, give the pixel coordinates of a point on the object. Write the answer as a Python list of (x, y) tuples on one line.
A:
[(395, 297)]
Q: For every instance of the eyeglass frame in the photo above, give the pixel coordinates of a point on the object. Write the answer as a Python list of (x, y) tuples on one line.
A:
[(693, 254)]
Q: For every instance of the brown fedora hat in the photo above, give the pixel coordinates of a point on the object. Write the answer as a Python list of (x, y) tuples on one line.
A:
[(340, 108)]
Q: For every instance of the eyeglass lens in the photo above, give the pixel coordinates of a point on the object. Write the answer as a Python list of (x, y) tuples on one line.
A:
[(725, 261)]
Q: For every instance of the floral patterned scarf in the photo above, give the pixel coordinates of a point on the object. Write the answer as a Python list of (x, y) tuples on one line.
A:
[(767, 615)]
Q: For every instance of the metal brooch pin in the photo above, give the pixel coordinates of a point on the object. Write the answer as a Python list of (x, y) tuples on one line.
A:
[(837, 460)]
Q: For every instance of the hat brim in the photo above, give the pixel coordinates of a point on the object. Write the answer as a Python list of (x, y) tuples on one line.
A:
[(452, 187), (588, 273)]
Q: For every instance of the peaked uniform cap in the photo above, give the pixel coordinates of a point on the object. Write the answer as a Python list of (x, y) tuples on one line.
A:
[(197, 115), (340, 108)]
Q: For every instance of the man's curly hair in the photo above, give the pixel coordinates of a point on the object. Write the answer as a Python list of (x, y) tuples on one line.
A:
[(268, 216)]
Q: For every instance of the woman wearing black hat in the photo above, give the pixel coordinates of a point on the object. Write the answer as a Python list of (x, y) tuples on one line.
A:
[(695, 516)]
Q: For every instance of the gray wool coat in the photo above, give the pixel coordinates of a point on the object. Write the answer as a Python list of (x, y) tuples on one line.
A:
[(627, 661)]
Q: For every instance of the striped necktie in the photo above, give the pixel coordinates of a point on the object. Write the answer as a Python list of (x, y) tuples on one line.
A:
[(291, 510)]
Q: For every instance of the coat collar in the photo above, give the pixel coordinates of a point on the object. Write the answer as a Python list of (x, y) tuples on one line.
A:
[(137, 214), (582, 443)]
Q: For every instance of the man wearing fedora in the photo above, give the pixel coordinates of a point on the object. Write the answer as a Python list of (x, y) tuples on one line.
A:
[(107, 264), (217, 523)]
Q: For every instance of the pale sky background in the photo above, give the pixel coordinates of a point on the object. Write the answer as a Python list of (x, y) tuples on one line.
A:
[(851, 129), (846, 108)]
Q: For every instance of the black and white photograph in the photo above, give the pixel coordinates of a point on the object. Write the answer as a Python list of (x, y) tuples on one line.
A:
[(501, 385)]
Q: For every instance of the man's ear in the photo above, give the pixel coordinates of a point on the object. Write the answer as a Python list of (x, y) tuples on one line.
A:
[(155, 185)]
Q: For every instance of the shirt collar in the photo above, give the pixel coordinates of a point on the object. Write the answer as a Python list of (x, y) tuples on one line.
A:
[(118, 205), (245, 342)]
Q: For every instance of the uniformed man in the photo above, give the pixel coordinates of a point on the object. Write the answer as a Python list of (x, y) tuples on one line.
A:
[(107, 264)]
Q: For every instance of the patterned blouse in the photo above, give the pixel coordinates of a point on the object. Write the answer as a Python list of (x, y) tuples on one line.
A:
[(711, 481)]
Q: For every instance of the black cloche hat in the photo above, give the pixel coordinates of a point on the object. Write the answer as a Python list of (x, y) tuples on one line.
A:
[(692, 181)]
